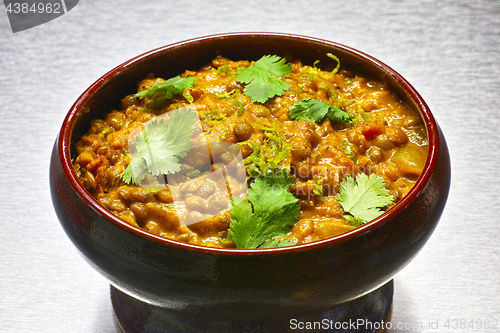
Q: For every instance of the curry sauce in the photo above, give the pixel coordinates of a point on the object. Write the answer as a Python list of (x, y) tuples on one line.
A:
[(385, 137)]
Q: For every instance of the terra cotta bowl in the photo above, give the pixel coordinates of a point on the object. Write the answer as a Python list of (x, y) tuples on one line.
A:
[(244, 285)]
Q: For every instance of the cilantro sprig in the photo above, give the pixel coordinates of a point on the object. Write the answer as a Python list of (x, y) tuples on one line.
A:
[(163, 91), (160, 144), (266, 214), (317, 111), (363, 199), (262, 79)]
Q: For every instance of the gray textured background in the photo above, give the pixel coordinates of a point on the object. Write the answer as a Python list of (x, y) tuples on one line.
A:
[(448, 49)]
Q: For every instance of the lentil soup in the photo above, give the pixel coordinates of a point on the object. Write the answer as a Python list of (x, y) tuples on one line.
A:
[(380, 135)]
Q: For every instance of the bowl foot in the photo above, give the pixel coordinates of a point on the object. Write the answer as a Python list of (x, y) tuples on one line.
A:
[(367, 314)]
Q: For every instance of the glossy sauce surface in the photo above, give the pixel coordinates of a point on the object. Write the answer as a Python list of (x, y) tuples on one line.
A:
[(385, 137)]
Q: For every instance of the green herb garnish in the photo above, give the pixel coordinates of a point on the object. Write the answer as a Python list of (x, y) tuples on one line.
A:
[(163, 91), (224, 69), (363, 199), (266, 214), (262, 79), (226, 94), (240, 106), (272, 153), (348, 150), (316, 111), (334, 57), (160, 144), (212, 115), (277, 242)]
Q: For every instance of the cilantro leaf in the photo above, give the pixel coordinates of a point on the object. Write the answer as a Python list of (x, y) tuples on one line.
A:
[(268, 212), (163, 91), (136, 170), (262, 79), (277, 242), (316, 111), (160, 144), (363, 198)]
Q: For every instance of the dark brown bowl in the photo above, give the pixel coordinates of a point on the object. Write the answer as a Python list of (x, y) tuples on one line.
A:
[(249, 284)]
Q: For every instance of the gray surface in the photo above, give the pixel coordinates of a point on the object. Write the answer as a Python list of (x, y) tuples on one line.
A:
[(449, 50)]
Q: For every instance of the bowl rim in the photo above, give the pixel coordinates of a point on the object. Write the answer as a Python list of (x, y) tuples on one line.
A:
[(64, 144)]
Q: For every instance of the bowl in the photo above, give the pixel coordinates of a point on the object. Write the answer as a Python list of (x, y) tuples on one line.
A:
[(244, 285)]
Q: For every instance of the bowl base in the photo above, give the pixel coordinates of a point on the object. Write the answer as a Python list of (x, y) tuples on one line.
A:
[(367, 314)]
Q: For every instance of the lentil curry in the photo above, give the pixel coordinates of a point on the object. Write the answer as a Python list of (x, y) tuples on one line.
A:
[(373, 133)]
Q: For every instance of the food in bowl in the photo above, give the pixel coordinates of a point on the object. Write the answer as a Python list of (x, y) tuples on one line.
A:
[(306, 152), (227, 287)]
